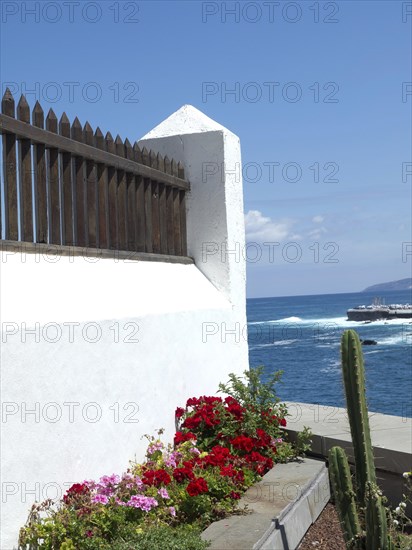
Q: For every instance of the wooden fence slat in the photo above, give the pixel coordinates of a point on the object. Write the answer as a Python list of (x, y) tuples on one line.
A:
[(25, 176), (147, 205), (140, 209), (155, 207), (121, 196), (176, 215), (102, 194), (91, 191), (11, 230), (182, 198), (40, 182), (79, 149), (53, 181), (67, 186), (79, 186), (113, 210), (162, 208), (131, 201), (80, 189), (169, 210)]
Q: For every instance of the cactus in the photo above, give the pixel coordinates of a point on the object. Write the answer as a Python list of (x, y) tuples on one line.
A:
[(354, 382), (368, 505), (376, 520), (344, 494)]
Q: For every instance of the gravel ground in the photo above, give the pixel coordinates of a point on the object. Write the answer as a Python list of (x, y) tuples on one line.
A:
[(325, 533)]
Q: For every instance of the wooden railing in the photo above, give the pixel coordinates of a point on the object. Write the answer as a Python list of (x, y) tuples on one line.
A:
[(67, 185)]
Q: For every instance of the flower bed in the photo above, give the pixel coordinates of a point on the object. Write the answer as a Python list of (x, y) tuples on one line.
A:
[(221, 447)]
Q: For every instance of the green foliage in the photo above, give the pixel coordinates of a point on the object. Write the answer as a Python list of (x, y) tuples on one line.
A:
[(304, 441), (252, 391), (163, 537), (256, 392)]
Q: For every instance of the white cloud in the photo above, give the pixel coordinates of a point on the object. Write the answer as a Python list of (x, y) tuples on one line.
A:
[(317, 233), (260, 228), (318, 219)]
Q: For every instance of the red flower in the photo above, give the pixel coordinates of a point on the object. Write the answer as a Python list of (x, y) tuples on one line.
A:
[(179, 412), (260, 469), (243, 443), (269, 463), (210, 400), (282, 422), (78, 489), (191, 422), (197, 486), (180, 437), (263, 439), (192, 402), (255, 457), (234, 408), (227, 471), (239, 477), (156, 477), (234, 495), (180, 474), (218, 456)]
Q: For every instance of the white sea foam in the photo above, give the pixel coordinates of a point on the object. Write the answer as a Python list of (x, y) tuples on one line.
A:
[(271, 344), (332, 322), (395, 339)]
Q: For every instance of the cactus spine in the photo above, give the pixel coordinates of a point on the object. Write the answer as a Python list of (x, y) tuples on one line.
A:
[(345, 497), (369, 501)]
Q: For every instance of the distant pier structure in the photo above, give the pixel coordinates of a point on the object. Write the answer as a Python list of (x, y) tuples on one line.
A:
[(378, 311)]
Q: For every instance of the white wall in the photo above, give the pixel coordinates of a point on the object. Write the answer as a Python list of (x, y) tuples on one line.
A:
[(103, 351)]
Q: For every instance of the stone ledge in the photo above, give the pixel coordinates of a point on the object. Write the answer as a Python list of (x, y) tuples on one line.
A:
[(391, 440), (283, 505)]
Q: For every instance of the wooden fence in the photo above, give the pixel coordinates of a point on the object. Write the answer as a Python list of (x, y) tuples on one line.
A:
[(67, 185)]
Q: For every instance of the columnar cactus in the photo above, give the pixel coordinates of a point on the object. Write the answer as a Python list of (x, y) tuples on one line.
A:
[(341, 480), (369, 504), (376, 520), (354, 382)]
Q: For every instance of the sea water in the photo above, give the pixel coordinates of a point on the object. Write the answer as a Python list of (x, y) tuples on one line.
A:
[(300, 335)]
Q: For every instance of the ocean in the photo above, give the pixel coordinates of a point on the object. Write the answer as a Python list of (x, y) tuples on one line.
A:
[(300, 335)]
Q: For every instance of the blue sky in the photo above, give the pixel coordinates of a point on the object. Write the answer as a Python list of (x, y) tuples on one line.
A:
[(321, 106)]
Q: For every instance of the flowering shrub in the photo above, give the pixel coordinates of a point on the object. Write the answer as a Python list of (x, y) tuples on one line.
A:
[(221, 447), (249, 423), (400, 522)]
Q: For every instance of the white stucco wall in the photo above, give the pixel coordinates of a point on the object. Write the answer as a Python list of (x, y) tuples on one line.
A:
[(102, 351), (212, 160)]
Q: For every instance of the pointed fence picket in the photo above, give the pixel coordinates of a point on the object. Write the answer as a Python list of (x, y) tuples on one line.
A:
[(66, 185)]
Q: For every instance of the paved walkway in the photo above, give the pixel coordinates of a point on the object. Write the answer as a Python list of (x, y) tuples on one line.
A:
[(391, 435)]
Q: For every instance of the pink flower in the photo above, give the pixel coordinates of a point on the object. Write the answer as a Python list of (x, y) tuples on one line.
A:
[(153, 447), (173, 459), (142, 502), (102, 499), (106, 485), (163, 493), (172, 511)]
